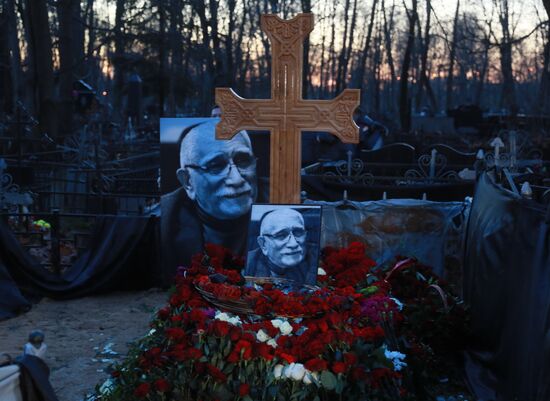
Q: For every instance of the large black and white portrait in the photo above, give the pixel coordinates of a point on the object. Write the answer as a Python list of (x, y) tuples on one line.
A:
[(283, 242), (209, 190)]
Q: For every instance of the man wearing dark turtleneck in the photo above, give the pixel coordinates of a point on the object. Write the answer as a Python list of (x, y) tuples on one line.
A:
[(218, 179), (282, 251)]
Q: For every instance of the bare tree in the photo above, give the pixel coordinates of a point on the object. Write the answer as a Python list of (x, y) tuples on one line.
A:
[(366, 47), (425, 48), (71, 57), (40, 49), (543, 103), (404, 100), (452, 56)]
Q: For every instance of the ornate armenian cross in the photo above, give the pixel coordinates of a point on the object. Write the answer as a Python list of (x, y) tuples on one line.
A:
[(286, 114)]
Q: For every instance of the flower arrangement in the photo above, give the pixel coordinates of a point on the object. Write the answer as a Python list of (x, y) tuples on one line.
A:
[(352, 340)]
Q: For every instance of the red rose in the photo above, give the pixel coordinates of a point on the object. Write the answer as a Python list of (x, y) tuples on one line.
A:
[(217, 374), (316, 365), (115, 373), (263, 350), (244, 348), (244, 389), (339, 367), (235, 334), (162, 385), (220, 328), (164, 313), (175, 333), (142, 390)]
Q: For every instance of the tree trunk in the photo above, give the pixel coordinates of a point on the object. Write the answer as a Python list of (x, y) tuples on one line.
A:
[(332, 52), (452, 56), (306, 8), (404, 101), (342, 57), (229, 63), (176, 47), (91, 66), (200, 9), (508, 97), (366, 47), (13, 48), (162, 58), (6, 89), (118, 59), (41, 52), (71, 55), (388, 29), (350, 45), (543, 104), (424, 79)]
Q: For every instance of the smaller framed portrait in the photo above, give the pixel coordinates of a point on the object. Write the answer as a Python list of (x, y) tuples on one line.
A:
[(283, 242)]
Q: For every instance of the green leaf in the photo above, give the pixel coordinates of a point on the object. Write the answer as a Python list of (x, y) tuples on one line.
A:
[(328, 380)]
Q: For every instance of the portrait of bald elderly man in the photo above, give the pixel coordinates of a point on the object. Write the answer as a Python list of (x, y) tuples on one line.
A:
[(218, 188), (287, 243)]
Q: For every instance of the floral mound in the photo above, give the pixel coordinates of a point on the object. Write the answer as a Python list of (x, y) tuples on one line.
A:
[(367, 333)]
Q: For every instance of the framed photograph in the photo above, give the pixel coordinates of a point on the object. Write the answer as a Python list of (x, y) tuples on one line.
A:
[(283, 242)]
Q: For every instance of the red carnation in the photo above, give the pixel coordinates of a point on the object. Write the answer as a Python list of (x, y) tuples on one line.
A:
[(316, 365), (142, 390), (339, 367), (350, 358), (162, 385), (244, 389), (217, 374), (264, 351), (287, 357)]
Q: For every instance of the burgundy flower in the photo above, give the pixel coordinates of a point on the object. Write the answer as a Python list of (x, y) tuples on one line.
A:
[(142, 390), (162, 385)]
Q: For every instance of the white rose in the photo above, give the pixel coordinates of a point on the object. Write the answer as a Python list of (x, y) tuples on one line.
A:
[(285, 328), (311, 377), (297, 371), (277, 322), (321, 272), (278, 371), (272, 343), (262, 336)]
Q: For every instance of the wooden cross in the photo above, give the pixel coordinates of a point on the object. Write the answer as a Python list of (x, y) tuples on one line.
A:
[(286, 114)]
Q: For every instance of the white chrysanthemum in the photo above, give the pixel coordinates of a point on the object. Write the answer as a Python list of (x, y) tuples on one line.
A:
[(262, 336), (277, 322), (224, 317), (285, 328), (272, 343), (321, 272)]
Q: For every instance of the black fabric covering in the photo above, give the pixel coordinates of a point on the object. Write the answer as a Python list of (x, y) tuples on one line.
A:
[(507, 283), (122, 256), (34, 379)]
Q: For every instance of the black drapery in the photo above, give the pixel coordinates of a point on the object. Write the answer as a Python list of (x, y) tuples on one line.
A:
[(122, 255), (507, 285)]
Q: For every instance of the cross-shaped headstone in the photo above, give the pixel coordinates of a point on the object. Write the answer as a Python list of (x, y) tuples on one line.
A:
[(286, 113)]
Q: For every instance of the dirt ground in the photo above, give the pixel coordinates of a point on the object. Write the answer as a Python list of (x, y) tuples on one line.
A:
[(84, 335)]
